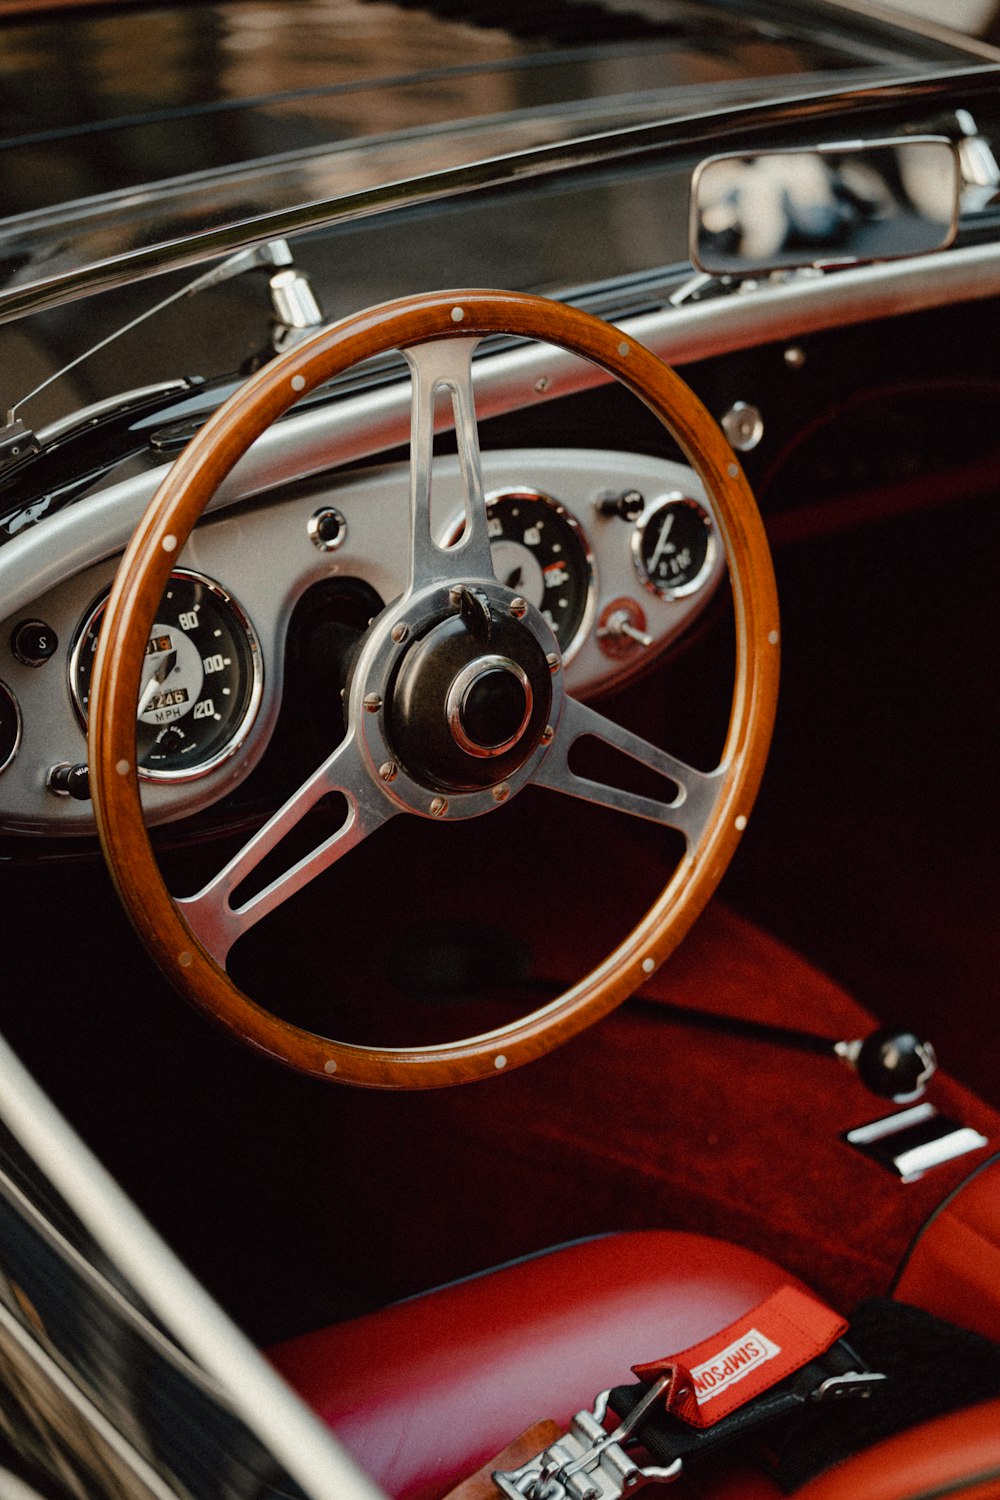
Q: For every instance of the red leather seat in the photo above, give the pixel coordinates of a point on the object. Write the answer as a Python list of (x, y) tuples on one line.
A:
[(427, 1391), (953, 1267), (957, 1455)]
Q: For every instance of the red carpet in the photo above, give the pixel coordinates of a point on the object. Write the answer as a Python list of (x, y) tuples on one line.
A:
[(642, 1122)]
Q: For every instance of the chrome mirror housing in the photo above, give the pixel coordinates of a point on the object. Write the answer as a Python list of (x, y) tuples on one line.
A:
[(824, 206)]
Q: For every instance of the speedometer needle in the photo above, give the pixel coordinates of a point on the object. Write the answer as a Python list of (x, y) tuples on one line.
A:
[(159, 675)]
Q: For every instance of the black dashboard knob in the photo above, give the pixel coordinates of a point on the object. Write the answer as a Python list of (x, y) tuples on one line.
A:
[(33, 642), (628, 505), (70, 781)]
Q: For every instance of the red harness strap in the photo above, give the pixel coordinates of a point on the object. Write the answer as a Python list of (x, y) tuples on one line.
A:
[(722, 1373)]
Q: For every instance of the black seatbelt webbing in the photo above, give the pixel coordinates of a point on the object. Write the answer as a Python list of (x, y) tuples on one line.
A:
[(837, 1373), (932, 1368)]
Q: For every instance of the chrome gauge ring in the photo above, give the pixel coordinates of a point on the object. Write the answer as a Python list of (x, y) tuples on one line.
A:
[(540, 551), (674, 546), (10, 726), (202, 679)]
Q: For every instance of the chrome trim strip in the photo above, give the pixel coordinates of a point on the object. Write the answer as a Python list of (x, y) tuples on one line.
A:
[(633, 141), (877, 1130), (914, 1163), (13, 1488), (100, 1440), (906, 20), (64, 425), (267, 1405)]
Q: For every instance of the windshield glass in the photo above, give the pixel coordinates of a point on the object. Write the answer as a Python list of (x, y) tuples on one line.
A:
[(98, 101)]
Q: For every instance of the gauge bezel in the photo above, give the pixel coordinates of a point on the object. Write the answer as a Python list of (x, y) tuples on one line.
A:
[(18, 727), (254, 696), (684, 590), (529, 492)]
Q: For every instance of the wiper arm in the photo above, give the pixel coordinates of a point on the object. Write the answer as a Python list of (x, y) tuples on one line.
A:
[(17, 440)]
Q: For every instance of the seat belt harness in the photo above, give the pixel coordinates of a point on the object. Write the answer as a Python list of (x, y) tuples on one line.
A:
[(780, 1335), (785, 1352)]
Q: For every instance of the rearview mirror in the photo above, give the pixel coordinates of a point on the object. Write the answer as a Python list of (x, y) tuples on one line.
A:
[(828, 205)]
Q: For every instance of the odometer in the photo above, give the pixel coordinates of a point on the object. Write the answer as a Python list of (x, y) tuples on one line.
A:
[(201, 679)]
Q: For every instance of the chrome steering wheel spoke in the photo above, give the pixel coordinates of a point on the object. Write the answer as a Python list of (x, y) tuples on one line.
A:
[(210, 914), (435, 367), (695, 794)]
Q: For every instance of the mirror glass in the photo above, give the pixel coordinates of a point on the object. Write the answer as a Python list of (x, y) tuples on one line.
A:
[(824, 206)]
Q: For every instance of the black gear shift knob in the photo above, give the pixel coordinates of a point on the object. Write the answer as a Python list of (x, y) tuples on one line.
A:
[(894, 1063)]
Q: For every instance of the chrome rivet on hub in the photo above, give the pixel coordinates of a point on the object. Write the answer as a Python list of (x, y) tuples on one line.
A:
[(518, 607), (439, 807), (387, 770), (373, 702), (400, 632)]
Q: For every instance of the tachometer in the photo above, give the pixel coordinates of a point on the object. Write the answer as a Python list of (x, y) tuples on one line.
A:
[(201, 680), (539, 550)]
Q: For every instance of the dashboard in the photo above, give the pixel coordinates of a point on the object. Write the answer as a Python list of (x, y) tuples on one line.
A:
[(617, 550)]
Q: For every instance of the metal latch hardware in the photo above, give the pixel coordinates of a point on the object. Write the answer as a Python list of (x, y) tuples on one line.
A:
[(854, 1383), (589, 1463)]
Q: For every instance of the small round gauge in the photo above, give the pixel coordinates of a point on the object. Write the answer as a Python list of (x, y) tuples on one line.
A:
[(674, 546), (539, 550), (10, 726), (201, 679)]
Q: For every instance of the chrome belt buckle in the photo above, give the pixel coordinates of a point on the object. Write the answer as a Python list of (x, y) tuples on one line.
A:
[(589, 1463)]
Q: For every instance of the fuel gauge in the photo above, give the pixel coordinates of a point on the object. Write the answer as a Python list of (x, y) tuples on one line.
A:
[(674, 546)]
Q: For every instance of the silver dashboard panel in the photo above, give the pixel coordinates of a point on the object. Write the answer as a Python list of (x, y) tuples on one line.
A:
[(262, 553)]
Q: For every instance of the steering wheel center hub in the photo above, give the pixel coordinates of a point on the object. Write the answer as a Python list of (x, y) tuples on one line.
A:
[(489, 706), (455, 698), (470, 694)]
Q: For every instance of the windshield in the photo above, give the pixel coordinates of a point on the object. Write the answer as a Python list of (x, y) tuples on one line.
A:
[(99, 101)]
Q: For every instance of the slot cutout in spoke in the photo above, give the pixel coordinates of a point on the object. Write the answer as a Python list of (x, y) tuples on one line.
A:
[(595, 760), (324, 820)]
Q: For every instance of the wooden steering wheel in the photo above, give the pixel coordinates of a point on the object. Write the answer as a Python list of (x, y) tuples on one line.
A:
[(456, 698)]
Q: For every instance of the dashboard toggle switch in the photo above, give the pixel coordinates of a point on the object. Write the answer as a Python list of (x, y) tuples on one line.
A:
[(622, 628)]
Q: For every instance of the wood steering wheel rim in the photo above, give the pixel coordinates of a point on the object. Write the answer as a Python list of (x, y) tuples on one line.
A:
[(154, 550)]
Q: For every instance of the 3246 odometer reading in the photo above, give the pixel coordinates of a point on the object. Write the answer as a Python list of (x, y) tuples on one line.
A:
[(201, 679)]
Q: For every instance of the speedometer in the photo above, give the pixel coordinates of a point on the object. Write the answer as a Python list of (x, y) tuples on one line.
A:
[(540, 551), (201, 679)]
